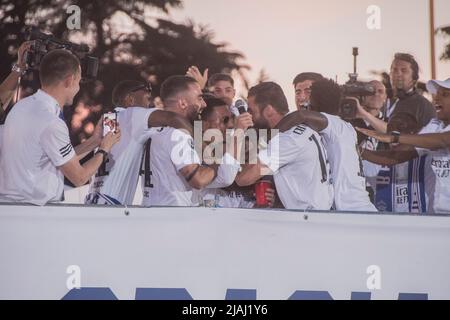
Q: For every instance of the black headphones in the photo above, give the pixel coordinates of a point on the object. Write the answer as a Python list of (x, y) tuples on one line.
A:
[(402, 94)]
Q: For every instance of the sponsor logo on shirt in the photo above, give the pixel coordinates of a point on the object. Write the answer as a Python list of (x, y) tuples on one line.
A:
[(441, 167)]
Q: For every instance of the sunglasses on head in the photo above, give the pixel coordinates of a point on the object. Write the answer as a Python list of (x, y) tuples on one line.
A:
[(147, 87)]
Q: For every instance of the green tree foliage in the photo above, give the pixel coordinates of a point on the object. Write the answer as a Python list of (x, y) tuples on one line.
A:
[(150, 47)]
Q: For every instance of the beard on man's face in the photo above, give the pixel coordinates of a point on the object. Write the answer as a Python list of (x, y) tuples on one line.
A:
[(261, 123), (193, 114)]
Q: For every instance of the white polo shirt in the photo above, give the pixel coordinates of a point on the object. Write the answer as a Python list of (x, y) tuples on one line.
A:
[(35, 143)]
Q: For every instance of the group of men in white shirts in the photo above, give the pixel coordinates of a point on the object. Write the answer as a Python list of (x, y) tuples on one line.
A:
[(312, 155)]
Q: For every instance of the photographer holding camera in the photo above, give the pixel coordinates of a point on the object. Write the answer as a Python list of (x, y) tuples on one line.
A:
[(37, 149), (404, 75), (369, 112), (340, 142)]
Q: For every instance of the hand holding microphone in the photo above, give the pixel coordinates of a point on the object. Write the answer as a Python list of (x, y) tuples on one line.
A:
[(244, 121)]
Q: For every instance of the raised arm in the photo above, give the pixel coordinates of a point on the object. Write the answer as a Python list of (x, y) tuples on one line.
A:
[(9, 85), (195, 73)]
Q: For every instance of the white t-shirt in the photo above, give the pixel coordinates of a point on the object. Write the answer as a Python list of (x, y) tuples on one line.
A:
[(301, 170), (118, 177), (170, 151), (35, 143), (439, 193), (346, 168)]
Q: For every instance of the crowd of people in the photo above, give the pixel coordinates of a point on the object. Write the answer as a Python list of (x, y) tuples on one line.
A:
[(204, 147)]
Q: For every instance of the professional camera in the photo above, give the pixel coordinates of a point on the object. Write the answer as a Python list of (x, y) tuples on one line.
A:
[(44, 43), (354, 88)]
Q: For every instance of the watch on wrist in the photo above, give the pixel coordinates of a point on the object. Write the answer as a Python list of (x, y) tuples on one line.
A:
[(104, 153), (18, 69), (395, 137)]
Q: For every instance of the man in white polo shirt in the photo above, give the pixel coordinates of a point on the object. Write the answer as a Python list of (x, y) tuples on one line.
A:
[(37, 149)]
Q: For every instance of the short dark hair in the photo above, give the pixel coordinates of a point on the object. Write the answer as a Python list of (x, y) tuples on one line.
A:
[(220, 77), (411, 60), (271, 93), (407, 123), (211, 104), (313, 76), (122, 89), (174, 85), (326, 96), (56, 65)]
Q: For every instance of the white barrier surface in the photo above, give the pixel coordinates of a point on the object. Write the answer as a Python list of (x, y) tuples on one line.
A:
[(207, 251)]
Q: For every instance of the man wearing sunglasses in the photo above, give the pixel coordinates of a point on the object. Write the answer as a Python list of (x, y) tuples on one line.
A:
[(116, 180)]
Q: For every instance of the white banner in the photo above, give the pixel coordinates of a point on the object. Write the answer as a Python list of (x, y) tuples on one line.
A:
[(200, 253)]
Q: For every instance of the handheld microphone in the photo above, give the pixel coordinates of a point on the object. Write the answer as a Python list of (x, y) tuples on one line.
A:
[(241, 105)]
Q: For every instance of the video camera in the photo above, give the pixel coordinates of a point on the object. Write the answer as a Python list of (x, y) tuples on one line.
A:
[(44, 43), (354, 88)]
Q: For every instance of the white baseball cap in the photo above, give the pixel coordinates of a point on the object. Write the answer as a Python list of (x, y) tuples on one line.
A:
[(433, 85)]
